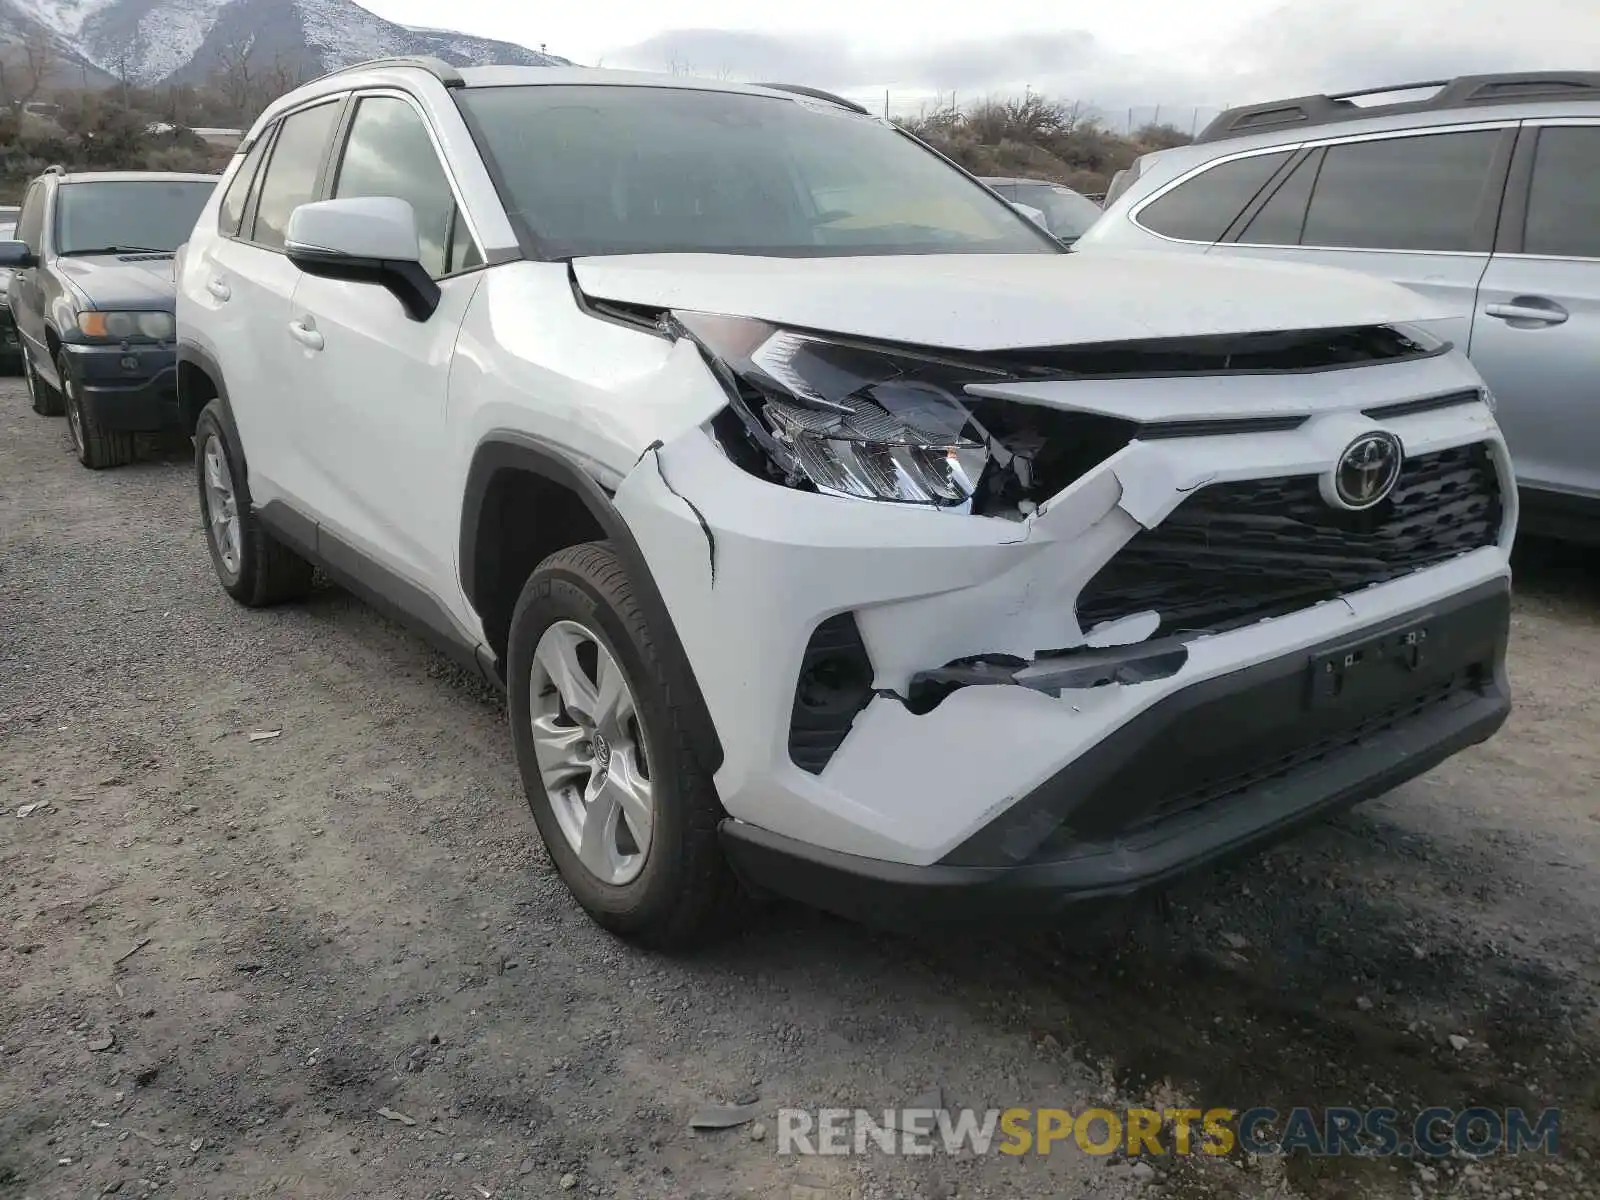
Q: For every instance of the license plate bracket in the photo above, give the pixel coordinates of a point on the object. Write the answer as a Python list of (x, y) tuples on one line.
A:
[(1336, 672)]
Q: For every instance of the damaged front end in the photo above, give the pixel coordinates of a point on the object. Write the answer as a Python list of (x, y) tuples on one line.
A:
[(915, 584)]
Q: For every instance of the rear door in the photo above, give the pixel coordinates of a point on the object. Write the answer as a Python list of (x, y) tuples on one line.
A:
[(1417, 207), (1536, 330), (247, 282)]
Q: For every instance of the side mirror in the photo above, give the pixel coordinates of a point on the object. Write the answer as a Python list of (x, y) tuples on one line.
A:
[(16, 256), (366, 239), (1033, 214)]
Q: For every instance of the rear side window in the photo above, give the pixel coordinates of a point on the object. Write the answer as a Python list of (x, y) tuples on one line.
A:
[(1202, 209), (1411, 193), (291, 178), (1281, 218), (233, 201), (1564, 200)]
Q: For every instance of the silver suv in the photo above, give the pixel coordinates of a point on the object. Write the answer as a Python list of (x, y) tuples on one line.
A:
[(1482, 193)]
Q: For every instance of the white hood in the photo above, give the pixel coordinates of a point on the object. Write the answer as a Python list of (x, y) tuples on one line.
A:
[(1008, 301)]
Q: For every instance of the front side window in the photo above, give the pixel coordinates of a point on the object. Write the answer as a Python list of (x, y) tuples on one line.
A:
[(638, 170), (1564, 200), (464, 254), (291, 175), (121, 216), (390, 154), (1409, 193), (1202, 209)]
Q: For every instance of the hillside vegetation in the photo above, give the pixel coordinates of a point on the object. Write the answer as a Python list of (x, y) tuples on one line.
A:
[(123, 127), (1039, 138)]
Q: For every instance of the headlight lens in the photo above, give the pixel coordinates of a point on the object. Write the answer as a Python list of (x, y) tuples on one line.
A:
[(858, 421), (127, 326)]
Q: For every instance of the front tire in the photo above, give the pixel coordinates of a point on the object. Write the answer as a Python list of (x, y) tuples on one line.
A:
[(253, 567), (95, 447), (46, 401), (625, 809)]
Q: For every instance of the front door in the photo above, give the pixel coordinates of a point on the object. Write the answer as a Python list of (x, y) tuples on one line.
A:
[(371, 383)]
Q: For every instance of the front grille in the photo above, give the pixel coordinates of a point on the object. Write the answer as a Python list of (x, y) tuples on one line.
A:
[(1234, 553)]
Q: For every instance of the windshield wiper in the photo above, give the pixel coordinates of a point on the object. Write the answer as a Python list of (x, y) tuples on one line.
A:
[(117, 250)]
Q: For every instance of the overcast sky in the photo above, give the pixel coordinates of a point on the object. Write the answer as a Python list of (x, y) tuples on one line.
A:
[(1111, 53)]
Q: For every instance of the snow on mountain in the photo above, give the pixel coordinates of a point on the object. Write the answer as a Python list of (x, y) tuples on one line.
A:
[(185, 41), (65, 17)]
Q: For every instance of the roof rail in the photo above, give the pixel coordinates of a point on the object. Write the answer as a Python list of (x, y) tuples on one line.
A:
[(437, 67), (54, 169), (1465, 91), (815, 94)]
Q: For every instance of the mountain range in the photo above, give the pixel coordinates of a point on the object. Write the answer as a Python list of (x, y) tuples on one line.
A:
[(147, 42)]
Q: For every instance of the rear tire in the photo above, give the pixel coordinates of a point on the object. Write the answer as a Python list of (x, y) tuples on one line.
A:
[(682, 890), (95, 447), (45, 399), (253, 567)]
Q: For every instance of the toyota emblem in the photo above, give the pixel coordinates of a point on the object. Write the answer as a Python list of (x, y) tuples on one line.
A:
[(1365, 473)]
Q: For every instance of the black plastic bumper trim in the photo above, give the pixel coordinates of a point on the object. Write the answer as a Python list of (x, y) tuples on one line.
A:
[(955, 893)]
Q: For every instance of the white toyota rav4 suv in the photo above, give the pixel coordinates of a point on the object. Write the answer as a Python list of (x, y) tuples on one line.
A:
[(828, 526)]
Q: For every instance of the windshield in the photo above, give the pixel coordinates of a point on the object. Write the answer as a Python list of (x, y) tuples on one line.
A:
[(1068, 213), (8, 231), (155, 214), (638, 170)]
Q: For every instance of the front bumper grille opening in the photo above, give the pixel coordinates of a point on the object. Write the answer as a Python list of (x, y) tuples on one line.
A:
[(1400, 713), (1231, 777), (1236, 553), (834, 685)]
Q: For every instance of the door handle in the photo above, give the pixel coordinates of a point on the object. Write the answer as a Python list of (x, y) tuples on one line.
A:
[(305, 335), (1535, 310), (220, 290)]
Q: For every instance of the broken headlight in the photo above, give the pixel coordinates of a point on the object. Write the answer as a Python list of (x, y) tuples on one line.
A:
[(854, 420)]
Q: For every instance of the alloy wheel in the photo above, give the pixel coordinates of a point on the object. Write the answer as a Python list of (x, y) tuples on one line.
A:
[(222, 506), (590, 749), (69, 396)]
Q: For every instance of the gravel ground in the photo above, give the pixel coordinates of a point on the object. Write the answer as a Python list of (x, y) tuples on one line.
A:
[(219, 957)]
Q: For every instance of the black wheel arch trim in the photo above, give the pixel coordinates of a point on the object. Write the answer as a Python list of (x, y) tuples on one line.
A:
[(505, 449), (190, 354)]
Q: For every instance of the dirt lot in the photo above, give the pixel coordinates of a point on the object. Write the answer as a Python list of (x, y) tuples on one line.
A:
[(219, 957)]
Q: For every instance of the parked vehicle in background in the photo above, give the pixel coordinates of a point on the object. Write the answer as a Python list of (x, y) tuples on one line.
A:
[(1068, 214), (1483, 194), (10, 347), (828, 525), (91, 297)]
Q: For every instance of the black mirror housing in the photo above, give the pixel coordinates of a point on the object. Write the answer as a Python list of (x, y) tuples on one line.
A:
[(408, 282)]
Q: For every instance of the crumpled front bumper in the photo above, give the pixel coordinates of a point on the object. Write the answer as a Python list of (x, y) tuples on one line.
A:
[(749, 570)]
